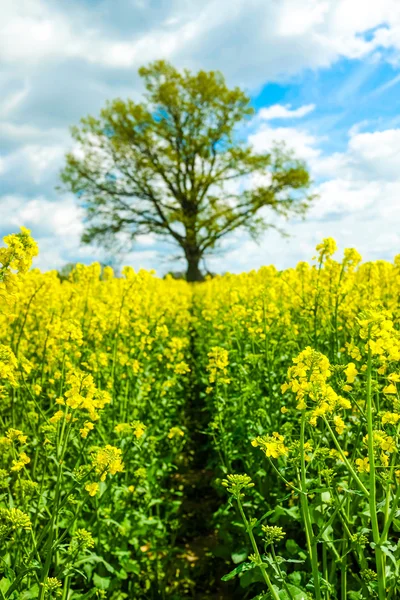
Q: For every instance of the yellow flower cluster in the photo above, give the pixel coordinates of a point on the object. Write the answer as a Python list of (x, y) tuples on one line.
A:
[(19, 459), (15, 434), (8, 365), (383, 340), (14, 259), (81, 540), (175, 432), (218, 361), (326, 249), (136, 427), (52, 587), (83, 394), (308, 380), (19, 463), (382, 441), (107, 460), (273, 445), (12, 519), (390, 417)]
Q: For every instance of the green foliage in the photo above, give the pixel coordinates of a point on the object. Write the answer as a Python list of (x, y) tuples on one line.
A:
[(175, 166)]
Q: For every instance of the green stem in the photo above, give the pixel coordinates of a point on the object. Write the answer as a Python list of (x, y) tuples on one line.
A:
[(311, 540), (61, 448), (282, 576), (372, 485), (325, 571), (391, 515), (256, 551), (343, 573), (347, 463), (283, 478)]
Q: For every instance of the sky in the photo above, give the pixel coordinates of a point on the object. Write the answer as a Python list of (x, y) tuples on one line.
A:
[(323, 76)]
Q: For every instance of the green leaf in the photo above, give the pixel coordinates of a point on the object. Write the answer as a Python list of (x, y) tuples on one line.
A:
[(239, 556), (102, 583), (131, 566), (280, 511), (250, 577), (295, 578), (355, 492), (4, 584), (33, 592), (292, 546), (296, 592), (237, 570), (94, 558), (355, 595), (385, 549)]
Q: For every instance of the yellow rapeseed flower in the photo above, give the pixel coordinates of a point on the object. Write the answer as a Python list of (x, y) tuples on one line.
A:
[(351, 372), (19, 463), (363, 465), (175, 432), (92, 488), (108, 460)]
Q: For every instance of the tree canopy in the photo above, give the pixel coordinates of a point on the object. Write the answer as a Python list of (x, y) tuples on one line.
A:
[(176, 166)]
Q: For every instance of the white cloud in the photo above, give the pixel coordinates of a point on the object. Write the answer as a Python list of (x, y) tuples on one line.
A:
[(61, 219), (368, 168), (301, 141), (278, 111), (148, 239), (25, 133), (369, 156), (340, 197), (308, 34), (32, 163), (31, 31), (358, 205), (377, 153)]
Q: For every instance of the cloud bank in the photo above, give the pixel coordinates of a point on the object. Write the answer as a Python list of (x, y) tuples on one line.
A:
[(61, 61)]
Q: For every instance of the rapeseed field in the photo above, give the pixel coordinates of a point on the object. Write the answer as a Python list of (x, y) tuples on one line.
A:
[(236, 438)]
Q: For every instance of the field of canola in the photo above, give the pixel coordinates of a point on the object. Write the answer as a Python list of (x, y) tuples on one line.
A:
[(236, 438)]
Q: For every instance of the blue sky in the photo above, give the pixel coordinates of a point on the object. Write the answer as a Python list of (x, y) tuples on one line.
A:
[(323, 75)]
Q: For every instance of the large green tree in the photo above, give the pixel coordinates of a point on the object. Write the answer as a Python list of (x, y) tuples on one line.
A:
[(176, 166)]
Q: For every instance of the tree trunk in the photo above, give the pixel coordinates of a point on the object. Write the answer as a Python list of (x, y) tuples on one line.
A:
[(193, 272)]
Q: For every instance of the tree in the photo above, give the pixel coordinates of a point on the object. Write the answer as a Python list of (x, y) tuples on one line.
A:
[(66, 271), (174, 165)]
